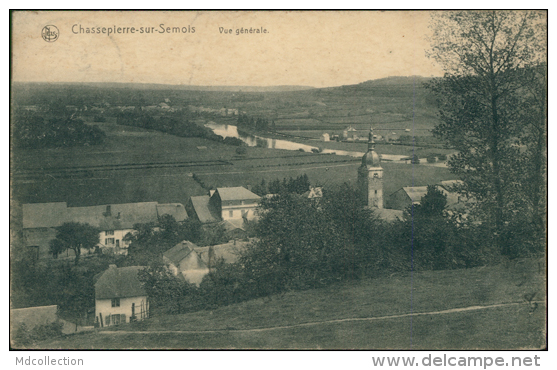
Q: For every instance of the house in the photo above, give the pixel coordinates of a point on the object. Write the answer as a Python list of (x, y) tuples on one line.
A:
[(184, 262), (228, 252), (120, 296), (199, 208), (314, 192), (39, 223), (325, 137), (234, 203), (408, 195), (349, 133), (114, 221)]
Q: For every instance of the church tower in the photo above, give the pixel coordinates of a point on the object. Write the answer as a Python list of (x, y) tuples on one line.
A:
[(370, 176)]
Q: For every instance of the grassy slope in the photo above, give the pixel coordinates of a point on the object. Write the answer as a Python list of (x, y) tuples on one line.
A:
[(516, 326)]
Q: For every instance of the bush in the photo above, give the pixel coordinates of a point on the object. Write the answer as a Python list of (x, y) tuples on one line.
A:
[(431, 158), (23, 336), (241, 150)]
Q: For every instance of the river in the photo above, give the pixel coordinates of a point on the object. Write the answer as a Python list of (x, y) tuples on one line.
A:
[(253, 140)]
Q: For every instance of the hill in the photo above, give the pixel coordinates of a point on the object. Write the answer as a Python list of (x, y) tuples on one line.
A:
[(153, 86), (478, 308)]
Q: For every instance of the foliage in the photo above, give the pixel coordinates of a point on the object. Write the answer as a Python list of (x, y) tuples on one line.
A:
[(149, 241), (31, 130), (78, 294), (171, 124), (299, 185), (435, 238), (302, 243), (488, 56), (259, 124), (223, 285), (166, 292), (75, 236), (22, 336)]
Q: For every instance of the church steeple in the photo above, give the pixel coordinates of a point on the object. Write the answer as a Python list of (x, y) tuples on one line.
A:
[(370, 175), (370, 140), (371, 158)]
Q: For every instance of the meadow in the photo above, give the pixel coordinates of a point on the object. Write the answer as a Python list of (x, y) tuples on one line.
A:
[(478, 308)]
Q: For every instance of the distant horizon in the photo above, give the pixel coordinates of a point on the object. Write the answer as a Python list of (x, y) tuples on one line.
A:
[(214, 86)]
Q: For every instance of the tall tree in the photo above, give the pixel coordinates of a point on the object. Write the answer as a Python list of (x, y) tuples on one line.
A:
[(75, 236), (485, 54)]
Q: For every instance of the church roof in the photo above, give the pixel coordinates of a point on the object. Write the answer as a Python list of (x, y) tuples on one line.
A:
[(371, 159)]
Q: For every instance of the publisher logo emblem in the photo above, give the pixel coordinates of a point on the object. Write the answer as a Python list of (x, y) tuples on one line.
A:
[(50, 33)]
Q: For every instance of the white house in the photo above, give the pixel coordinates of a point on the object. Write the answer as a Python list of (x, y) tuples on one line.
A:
[(235, 203), (184, 262), (120, 297), (326, 137)]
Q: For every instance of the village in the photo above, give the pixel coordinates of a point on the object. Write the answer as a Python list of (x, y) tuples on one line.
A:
[(119, 296), (377, 199)]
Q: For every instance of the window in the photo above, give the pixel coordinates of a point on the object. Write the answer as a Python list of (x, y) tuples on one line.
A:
[(230, 213), (109, 241), (115, 302), (375, 192), (110, 232)]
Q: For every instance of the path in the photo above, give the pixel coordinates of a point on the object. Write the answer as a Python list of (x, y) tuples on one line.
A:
[(443, 312)]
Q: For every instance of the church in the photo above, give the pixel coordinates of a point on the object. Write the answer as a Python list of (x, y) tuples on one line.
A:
[(370, 183)]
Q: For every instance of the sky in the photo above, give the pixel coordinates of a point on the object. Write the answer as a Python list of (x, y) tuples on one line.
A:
[(316, 49)]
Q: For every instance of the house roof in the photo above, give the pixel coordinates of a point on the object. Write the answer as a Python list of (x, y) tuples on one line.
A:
[(119, 282), (233, 224), (122, 216), (448, 184), (201, 207), (388, 214), (236, 193), (33, 316), (37, 215), (229, 252), (176, 210), (180, 251), (415, 193)]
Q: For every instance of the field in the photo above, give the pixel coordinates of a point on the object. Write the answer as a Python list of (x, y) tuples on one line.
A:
[(138, 165), (478, 308), (133, 165)]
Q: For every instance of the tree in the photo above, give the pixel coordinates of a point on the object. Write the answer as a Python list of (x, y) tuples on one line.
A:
[(75, 236), (148, 243), (78, 294), (485, 54), (166, 292)]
